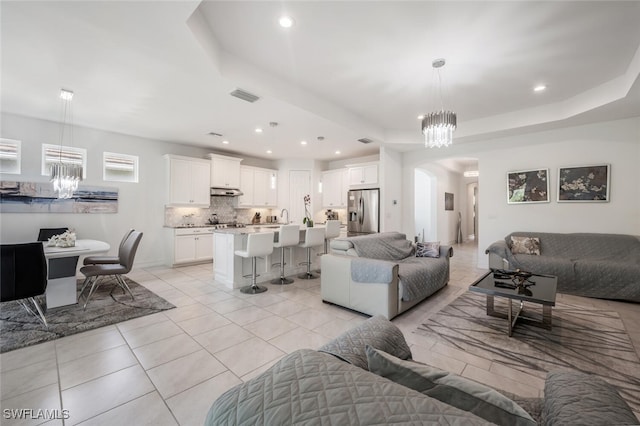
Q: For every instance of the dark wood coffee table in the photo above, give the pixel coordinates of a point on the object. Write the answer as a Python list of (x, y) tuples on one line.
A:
[(539, 289)]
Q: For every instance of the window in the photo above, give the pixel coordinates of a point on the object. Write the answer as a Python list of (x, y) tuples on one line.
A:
[(66, 154), (10, 151), (120, 167)]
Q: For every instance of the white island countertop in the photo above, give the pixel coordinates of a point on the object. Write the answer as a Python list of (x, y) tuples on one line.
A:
[(255, 229)]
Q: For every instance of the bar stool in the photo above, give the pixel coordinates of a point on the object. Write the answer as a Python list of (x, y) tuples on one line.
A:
[(257, 245), (331, 230), (313, 237), (288, 236)]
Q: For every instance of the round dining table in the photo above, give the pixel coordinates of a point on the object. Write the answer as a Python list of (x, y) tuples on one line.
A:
[(62, 263)]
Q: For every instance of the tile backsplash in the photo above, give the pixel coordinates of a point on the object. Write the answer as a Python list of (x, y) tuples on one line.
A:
[(224, 207)]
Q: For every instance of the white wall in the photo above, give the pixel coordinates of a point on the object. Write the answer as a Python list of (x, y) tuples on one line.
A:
[(391, 194), (616, 143), (140, 205)]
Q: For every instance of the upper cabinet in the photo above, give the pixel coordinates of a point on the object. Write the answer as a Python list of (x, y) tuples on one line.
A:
[(188, 181), (365, 175), (259, 187), (225, 171), (334, 188)]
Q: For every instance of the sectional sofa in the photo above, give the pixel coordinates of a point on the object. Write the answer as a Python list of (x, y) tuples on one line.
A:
[(365, 376), (380, 274), (605, 266)]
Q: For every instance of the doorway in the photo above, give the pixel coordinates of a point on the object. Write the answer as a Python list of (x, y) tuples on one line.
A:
[(425, 206), (299, 186)]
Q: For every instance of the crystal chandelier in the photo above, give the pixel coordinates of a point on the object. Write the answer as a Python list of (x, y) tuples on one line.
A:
[(65, 176), (438, 126)]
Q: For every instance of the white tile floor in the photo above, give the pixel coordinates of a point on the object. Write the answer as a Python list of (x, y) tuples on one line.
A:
[(167, 368)]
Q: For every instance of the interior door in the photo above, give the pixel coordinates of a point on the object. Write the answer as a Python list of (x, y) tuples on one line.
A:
[(299, 186)]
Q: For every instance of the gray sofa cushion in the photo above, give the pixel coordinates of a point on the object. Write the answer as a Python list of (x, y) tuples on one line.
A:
[(572, 398), (449, 388), (312, 388), (377, 332)]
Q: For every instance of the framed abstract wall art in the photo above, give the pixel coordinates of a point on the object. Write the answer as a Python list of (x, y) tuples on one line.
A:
[(448, 201), (528, 186), (584, 183)]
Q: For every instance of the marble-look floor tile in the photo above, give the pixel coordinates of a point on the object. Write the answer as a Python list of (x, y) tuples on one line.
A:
[(27, 356), (148, 409), (97, 396), (165, 350), (248, 355), (81, 370), (222, 338), (311, 318), (187, 312), (44, 398), (31, 377), (80, 345), (270, 327), (299, 338), (192, 405), (199, 325), (230, 305), (247, 315), (151, 333), (180, 374)]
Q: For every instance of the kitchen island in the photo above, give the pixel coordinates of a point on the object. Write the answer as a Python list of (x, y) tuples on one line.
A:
[(231, 270)]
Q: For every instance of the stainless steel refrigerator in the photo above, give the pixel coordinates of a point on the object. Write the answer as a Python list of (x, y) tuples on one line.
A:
[(363, 211)]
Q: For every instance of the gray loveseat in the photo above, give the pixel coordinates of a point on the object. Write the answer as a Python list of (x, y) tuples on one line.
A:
[(365, 376), (605, 266), (379, 274)]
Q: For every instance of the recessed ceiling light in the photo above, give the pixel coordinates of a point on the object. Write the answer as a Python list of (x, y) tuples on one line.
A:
[(258, 130), (420, 117), (337, 152), (268, 151), (286, 21), (303, 142), (225, 142), (539, 88)]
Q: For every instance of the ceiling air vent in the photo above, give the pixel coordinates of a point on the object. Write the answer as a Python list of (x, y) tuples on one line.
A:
[(365, 140), (245, 96), (214, 134)]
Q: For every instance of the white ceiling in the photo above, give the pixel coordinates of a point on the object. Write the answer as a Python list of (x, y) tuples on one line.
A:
[(346, 70)]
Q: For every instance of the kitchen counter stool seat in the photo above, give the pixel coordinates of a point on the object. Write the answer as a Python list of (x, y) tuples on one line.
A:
[(314, 237), (258, 245), (288, 236)]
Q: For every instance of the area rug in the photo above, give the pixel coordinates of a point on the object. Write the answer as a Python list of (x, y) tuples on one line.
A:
[(19, 328), (582, 339)]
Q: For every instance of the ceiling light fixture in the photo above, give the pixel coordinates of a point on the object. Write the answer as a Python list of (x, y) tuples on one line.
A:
[(225, 142), (303, 142), (337, 152), (269, 151), (258, 130), (539, 88), (471, 173), (438, 126), (286, 21), (65, 176)]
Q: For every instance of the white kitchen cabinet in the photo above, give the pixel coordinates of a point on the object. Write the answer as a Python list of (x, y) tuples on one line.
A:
[(191, 245), (188, 181), (334, 189), (259, 187), (364, 175), (225, 171)]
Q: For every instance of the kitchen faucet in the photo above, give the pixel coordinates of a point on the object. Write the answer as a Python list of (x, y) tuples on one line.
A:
[(282, 212)]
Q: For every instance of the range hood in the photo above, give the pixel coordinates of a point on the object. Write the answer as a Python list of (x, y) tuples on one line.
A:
[(225, 192)]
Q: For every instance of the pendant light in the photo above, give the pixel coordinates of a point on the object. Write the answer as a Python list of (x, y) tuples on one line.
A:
[(438, 126), (65, 176)]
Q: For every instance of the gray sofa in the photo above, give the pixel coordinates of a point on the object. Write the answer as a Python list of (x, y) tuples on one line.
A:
[(379, 274), (605, 266), (365, 376)]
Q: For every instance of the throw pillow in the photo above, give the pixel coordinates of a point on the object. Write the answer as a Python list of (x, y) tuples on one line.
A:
[(579, 399), (449, 388), (525, 245), (428, 249), (377, 332)]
